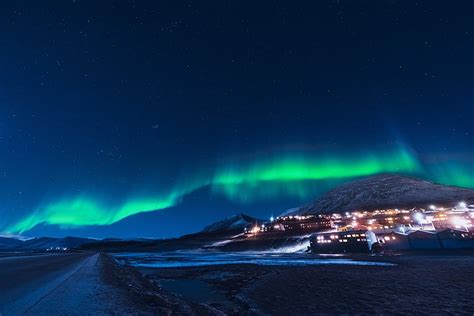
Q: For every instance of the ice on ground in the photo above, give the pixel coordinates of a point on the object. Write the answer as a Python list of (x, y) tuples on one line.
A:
[(201, 258)]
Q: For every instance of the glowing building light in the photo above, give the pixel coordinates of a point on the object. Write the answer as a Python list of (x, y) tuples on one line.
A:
[(418, 217), (255, 230), (459, 222)]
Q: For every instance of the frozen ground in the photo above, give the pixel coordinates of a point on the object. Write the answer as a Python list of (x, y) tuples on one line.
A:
[(417, 284), (185, 259)]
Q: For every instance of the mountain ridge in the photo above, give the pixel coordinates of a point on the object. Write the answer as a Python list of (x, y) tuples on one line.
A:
[(43, 243), (231, 223), (386, 191)]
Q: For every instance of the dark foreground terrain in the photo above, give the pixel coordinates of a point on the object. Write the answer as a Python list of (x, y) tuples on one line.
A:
[(94, 284), (424, 284)]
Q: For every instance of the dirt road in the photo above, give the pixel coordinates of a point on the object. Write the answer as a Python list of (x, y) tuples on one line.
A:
[(60, 284)]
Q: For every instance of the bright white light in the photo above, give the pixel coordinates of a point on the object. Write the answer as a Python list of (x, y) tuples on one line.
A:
[(255, 230), (272, 219), (459, 222), (462, 204), (418, 217), (432, 207)]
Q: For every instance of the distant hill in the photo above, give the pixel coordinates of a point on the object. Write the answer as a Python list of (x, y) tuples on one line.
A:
[(7, 242), (43, 243), (386, 191), (221, 231), (231, 224)]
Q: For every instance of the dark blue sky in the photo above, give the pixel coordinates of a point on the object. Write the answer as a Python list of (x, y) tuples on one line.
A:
[(117, 98)]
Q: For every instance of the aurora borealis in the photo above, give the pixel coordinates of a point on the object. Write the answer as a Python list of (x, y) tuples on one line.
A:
[(290, 176), (133, 119)]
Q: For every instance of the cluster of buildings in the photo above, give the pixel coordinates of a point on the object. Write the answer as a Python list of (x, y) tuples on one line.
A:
[(389, 229), (387, 240), (291, 224)]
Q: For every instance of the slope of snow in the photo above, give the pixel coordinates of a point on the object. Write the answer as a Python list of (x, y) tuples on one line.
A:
[(386, 191), (290, 211), (234, 222)]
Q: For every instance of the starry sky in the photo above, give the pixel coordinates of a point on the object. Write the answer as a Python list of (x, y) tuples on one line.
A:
[(155, 118)]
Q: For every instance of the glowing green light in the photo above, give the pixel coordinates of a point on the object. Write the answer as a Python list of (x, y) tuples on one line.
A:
[(458, 174), (301, 168), (296, 176), (86, 211)]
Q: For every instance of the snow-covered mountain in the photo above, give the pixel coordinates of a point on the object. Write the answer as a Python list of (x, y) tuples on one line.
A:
[(43, 243), (233, 223), (290, 211), (386, 191)]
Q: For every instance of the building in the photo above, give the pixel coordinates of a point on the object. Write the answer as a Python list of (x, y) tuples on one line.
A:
[(305, 223), (455, 239), (362, 241), (359, 241), (393, 240), (421, 239), (440, 221)]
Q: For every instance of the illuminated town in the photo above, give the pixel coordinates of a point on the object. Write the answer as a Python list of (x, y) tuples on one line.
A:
[(432, 227)]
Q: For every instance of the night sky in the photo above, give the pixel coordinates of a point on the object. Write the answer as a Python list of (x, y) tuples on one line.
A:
[(199, 110)]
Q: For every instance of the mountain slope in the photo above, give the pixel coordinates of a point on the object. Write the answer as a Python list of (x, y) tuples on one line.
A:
[(230, 224), (43, 243), (386, 191), (7, 242)]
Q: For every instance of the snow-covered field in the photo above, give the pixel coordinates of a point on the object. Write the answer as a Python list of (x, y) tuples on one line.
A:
[(181, 259)]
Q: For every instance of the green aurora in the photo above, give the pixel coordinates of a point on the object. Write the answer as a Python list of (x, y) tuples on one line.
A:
[(288, 175)]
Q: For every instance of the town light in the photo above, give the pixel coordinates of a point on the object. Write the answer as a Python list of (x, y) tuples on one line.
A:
[(418, 217), (462, 204), (459, 222), (432, 207), (255, 230), (272, 219)]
